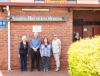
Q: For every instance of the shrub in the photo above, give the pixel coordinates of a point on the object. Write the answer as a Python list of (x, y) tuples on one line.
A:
[(84, 57)]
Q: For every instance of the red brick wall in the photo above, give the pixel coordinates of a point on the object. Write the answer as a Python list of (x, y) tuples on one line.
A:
[(62, 29), (3, 45)]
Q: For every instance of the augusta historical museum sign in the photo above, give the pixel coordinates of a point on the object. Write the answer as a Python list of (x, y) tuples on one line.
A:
[(38, 18)]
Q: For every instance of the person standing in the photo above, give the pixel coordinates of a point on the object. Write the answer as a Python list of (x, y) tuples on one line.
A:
[(23, 52), (45, 51), (34, 51), (56, 48)]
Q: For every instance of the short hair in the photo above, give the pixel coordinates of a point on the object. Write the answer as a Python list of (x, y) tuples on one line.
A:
[(55, 35), (35, 33), (23, 37)]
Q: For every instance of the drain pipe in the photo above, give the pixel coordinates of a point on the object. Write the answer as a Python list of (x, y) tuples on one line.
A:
[(9, 50)]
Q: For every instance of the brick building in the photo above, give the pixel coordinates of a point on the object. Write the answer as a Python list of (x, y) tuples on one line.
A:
[(61, 17)]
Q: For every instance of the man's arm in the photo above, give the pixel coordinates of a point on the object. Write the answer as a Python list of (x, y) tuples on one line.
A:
[(39, 44), (31, 46)]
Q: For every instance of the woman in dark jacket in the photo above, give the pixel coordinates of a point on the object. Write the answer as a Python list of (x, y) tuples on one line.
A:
[(23, 51)]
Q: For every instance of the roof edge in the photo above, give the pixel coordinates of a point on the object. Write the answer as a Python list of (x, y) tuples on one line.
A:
[(49, 4)]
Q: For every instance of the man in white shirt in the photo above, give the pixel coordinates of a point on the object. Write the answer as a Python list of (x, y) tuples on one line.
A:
[(56, 48)]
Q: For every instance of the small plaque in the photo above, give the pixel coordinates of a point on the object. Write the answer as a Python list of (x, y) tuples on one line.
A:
[(37, 28)]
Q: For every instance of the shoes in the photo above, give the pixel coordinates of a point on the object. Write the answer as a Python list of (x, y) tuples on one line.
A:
[(34, 69), (38, 69), (45, 70), (57, 69), (23, 70), (31, 70)]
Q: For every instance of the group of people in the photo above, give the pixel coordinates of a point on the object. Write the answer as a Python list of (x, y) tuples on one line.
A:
[(37, 50)]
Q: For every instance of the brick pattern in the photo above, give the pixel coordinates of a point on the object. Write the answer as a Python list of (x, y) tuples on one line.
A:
[(62, 29), (3, 45)]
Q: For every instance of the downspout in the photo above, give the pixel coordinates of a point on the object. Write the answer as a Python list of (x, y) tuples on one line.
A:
[(9, 50)]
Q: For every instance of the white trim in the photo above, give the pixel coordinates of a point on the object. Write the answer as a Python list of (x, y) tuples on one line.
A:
[(46, 10), (1, 74), (8, 10)]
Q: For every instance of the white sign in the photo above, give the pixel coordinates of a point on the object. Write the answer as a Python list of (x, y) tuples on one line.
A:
[(37, 28), (38, 18), (85, 29)]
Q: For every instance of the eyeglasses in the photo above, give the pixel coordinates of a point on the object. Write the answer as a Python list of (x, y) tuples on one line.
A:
[(55, 36)]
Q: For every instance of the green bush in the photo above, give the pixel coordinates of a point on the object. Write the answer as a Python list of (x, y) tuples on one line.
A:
[(84, 57)]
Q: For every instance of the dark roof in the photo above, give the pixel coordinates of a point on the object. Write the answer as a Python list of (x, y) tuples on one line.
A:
[(48, 4)]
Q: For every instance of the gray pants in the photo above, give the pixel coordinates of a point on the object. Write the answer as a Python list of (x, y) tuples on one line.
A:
[(57, 59)]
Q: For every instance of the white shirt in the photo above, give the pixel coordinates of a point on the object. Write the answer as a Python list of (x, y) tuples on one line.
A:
[(56, 45)]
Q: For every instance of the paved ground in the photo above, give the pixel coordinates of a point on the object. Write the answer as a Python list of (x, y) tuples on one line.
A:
[(34, 73)]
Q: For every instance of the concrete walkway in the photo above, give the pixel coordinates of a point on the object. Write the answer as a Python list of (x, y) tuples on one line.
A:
[(34, 73)]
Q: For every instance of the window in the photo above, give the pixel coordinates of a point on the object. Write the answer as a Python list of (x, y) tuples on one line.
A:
[(98, 1), (71, 1), (4, 0), (39, 1)]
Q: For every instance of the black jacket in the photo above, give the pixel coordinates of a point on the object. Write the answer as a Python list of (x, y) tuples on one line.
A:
[(22, 49)]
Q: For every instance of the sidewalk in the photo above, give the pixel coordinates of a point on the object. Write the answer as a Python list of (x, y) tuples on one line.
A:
[(34, 73)]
